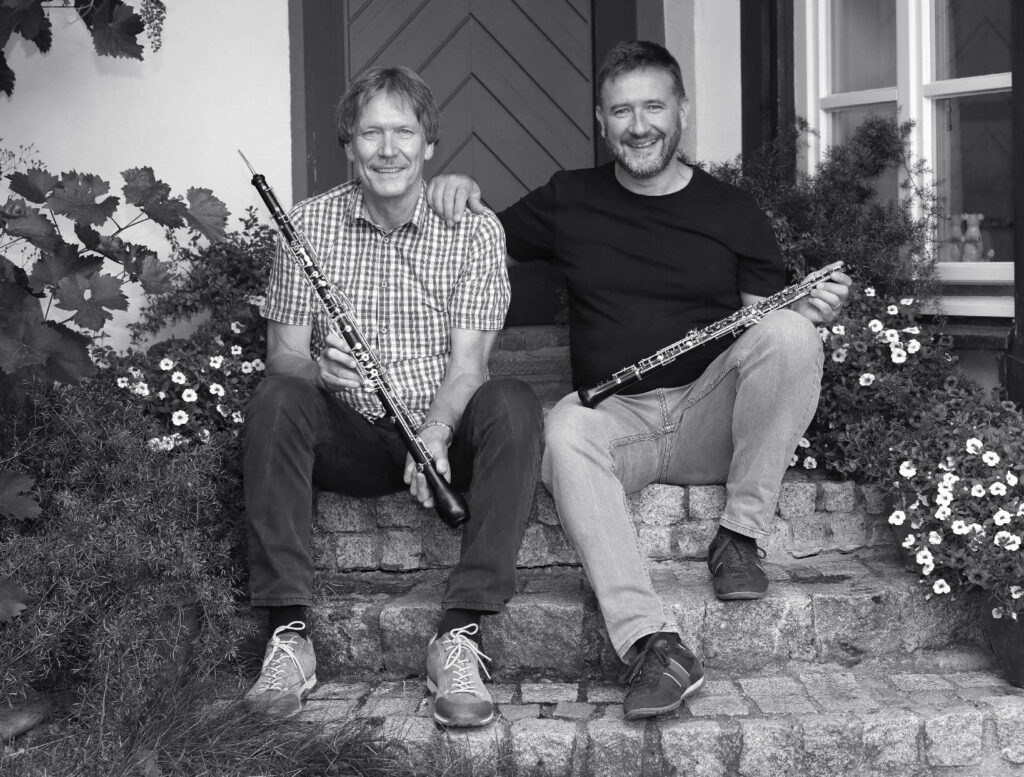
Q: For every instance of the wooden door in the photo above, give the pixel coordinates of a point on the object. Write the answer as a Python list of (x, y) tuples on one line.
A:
[(514, 81)]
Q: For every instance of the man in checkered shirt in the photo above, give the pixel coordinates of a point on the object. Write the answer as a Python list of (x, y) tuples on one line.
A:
[(430, 300)]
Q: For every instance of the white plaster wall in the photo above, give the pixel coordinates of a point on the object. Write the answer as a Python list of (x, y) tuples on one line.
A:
[(704, 35), (219, 82)]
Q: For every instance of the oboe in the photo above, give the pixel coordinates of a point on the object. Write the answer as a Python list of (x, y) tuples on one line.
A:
[(741, 319), (450, 505)]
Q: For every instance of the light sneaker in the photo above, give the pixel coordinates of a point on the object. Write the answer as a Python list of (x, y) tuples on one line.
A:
[(289, 671), (453, 676)]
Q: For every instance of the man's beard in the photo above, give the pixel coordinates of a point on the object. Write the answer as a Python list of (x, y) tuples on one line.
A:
[(655, 167)]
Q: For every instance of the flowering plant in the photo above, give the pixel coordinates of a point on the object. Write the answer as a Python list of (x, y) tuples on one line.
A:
[(196, 387), (962, 505), (882, 367)]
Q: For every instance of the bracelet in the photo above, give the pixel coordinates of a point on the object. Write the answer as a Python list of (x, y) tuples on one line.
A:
[(449, 427)]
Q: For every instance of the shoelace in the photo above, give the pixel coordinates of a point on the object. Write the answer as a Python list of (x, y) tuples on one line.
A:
[(461, 652), (275, 666), (745, 554), (636, 671)]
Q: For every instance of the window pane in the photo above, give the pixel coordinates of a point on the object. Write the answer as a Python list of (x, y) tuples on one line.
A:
[(974, 167), (863, 44), (972, 38), (846, 121)]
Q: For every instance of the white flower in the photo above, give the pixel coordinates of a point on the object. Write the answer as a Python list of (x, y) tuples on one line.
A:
[(794, 460), (927, 569), (258, 365), (867, 379), (166, 364), (180, 417), (256, 299), (909, 541), (913, 346), (204, 435), (1011, 479), (997, 489), (810, 463), (237, 417), (216, 361), (1009, 541), (907, 469), (912, 330), (246, 367), (803, 442), (141, 389), (892, 310), (155, 444), (1016, 591), (943, 513), (839, 355), (216, 389), (997, 612), (943, 498), (189, 395), (891, 336), (222, 410), (823, 334), (236, 350), (907, 301), (897, 518), (973, 446), (839, 329), (875, 325), (940, 586), (934, 538), (869, 291), (977, 490), (959, 527), (178, 377), (924, 556), (123, 382), (161, 395), (236, 327), (898, 355), (990, 457), (949, 479), (1001, 518), (135, 372)]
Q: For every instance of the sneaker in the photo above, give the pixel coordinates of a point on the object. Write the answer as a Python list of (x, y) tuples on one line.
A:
[(453, 676), (736, 571), (289, 671), (663, 674)]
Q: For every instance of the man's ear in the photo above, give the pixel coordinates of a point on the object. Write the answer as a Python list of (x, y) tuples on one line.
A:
[(429, 152), (348, 151), (600, 119), (684, 112)]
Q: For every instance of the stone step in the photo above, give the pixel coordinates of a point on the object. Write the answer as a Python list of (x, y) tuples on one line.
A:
[(845, 608), (945, 713), (673, 522)]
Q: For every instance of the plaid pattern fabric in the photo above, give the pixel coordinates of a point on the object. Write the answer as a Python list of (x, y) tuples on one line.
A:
[(408, 287)]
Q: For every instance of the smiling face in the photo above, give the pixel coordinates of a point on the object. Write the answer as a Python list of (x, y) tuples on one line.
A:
[(642, 121), (388, 149)]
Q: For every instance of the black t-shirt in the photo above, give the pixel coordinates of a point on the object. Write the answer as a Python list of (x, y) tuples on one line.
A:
[(643, 271)]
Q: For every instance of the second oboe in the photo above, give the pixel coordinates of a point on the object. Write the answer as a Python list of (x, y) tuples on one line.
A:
[(741, 319), (448, 502)]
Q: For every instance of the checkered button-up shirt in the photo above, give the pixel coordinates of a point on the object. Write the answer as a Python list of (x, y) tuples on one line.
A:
[(408, 287)]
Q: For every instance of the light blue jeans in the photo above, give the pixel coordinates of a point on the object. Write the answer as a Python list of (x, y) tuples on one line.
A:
[(737, 424)]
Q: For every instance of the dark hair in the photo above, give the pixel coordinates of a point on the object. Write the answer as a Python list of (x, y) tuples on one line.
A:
[(398, 82), (630, 55)]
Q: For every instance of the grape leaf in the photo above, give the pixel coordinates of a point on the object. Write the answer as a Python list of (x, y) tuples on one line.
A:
[(16, 501), (6, 76), (34, 185), (20, 5), (207, 214), (32, 225), (12, 598), (51, 266), (115, 29), (153, 197), (90, 237), (75, 197), (104, 292), (154, 275), (31, 22), (20, 314), (67, 352)]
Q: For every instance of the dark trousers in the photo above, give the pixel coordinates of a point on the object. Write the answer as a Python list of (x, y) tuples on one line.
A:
[(298, 437)]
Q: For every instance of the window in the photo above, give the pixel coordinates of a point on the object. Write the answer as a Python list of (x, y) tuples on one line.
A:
[(945, 64)]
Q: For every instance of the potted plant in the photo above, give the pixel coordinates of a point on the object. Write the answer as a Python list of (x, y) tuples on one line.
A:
[(961, 510)]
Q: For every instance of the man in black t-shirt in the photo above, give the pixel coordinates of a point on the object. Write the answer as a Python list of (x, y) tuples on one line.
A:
[(651, 248)]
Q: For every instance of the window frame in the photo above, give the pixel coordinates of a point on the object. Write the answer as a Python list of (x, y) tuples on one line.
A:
[(915, 95)]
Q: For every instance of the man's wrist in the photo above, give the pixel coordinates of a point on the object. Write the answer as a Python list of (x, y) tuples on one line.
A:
[(433, 422)]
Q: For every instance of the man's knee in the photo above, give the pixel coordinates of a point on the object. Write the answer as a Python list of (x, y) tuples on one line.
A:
[(277, 397), (791, 333), (513, 404), (568, 426)]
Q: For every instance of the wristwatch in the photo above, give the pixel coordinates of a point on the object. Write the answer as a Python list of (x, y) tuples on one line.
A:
[(449, 427)]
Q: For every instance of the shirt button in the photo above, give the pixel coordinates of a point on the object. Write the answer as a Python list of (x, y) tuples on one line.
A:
[(383, 284), (387, 239)]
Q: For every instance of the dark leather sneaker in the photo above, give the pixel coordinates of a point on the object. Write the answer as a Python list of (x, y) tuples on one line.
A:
[(735, 564), (663, 674)]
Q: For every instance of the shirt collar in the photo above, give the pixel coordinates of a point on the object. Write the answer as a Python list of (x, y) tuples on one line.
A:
[(357, 208)]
